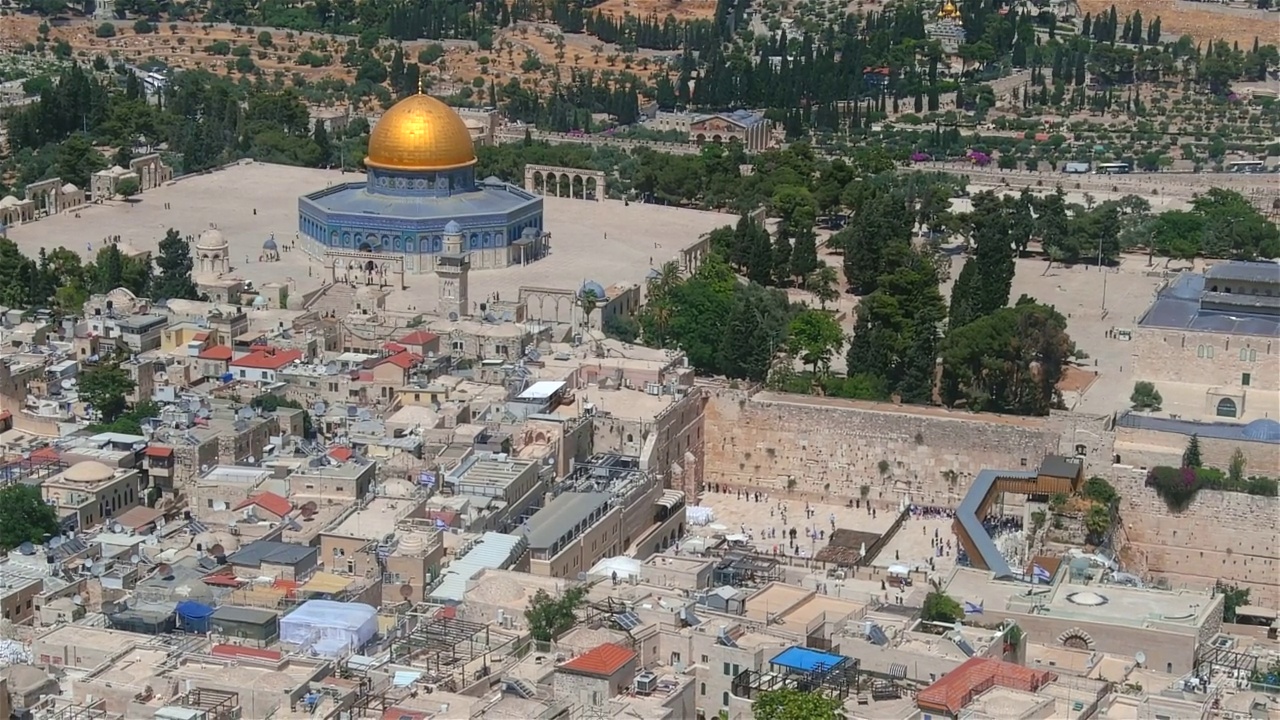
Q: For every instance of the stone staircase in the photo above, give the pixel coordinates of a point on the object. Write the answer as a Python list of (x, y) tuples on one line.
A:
[(336, 298), (520, 687)]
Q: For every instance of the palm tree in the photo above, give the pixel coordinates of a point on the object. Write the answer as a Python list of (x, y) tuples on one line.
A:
[(668, 277)]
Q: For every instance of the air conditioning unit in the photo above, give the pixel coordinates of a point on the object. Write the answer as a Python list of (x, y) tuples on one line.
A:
[(646, 683)]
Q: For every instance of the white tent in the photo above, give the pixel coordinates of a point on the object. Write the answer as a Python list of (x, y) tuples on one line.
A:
[(327, 628), (625, 567)]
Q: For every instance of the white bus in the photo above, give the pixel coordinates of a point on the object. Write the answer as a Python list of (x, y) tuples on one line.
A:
[(1247, 166), (1113, 168)]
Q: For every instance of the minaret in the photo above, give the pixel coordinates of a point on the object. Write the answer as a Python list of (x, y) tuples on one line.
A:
[(452, 267)]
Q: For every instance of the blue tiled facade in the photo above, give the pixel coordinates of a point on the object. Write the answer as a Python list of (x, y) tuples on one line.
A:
[(405, 212)]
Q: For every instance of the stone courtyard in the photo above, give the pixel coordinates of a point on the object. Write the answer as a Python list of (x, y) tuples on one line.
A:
[(607, 242)]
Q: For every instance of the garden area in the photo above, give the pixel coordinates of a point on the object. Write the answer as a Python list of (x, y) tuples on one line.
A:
[(1178, 487)]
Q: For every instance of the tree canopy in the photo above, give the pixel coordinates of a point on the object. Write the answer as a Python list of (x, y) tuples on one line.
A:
[(24, 516), (788, 704), (549, 616)]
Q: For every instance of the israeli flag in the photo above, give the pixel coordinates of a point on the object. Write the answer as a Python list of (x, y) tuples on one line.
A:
[(971, 609), (1040, 574)]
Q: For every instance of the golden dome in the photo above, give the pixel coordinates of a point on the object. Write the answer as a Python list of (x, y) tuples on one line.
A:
[(420, 133)]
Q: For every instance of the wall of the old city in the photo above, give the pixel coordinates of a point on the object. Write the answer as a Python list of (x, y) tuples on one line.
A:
[(833, 446), (1147, 448), (1224, 535)]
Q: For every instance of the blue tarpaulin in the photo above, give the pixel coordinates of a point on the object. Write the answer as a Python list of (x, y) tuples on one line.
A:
[(193, 616)]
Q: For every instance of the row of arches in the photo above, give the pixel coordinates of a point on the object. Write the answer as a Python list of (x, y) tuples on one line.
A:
[(566, 185), (373, 242)]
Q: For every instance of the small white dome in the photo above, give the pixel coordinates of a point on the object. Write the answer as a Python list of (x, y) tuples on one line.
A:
[(89, 471), (211, 239), (9, 201), (69, 188)]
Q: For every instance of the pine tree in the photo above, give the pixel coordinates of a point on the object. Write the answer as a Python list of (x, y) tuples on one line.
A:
[(804, 253), (781, 259), (174, 281), (1191, 456)]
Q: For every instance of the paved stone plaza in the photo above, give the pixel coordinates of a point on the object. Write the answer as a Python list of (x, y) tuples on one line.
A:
[(608, 242)]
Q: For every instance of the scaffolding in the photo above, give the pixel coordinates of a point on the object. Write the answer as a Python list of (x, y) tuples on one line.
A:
[(799, 668), (447, 648), (211, 704), (738, 569)]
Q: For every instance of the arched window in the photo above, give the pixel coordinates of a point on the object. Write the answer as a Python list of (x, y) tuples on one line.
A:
[(1253, 355), (1226, 408), (1199, 351), (1244, 353), (1208, 351)]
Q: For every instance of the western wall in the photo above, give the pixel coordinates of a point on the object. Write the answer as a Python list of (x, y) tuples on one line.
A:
[(831, 446)]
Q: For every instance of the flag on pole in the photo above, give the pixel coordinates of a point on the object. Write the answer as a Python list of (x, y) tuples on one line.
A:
[(1040, 574)]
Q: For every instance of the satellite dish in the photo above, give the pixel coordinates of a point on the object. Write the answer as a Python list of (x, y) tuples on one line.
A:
[(406, 591), (117, 527), (308, 508), (252, 460), (219, 505), (27, 548), (453, 316), (164, 570), (99, 568), (1140, 657), (77, 599), (55, 541), (216, 549), (134, 559)]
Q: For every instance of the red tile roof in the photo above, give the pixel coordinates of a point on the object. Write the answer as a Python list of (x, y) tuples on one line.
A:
[(419, 337), (234, 651), (217, 352), (222, 579), (45, 454), (601, 661), (393, 347), (403, 360), (269, 501), (959, 687), (159, 451), (267, 359), (341, 453), (200, 336)]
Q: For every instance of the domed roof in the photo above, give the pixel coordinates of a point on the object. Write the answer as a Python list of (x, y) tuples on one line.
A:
[(9, 201), (211, 239), (270, 244), (593, 287), (89, 471), (1264, 429), (420, 133), (452, 228)]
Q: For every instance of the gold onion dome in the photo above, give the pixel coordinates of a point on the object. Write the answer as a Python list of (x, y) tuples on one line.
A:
[(950, 11), (420, 133)]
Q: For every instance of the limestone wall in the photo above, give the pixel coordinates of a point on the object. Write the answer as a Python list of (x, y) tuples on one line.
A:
[(1148, 448), (1232, 536), (833, 447)]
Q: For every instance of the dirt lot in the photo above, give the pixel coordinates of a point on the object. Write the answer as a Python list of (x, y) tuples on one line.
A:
[(682, 9), (1202, 21), (183, 48)]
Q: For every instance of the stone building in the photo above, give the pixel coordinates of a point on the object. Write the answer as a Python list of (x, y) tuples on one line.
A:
[(1216, 335)]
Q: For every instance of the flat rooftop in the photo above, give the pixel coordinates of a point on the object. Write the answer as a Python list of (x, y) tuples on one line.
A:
[(1107, 604), (621, 403), (240, 675), (1002, 702), (234, 475), (773, 599), (109, 641), (1177, 307), (135, 668), (374, 521)]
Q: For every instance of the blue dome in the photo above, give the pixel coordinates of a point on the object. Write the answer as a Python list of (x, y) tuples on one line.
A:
[(1264, 430), (270, 244), (593, 287), (453, 228)]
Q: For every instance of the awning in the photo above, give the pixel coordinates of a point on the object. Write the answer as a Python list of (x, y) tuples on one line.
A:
[(898, 671)]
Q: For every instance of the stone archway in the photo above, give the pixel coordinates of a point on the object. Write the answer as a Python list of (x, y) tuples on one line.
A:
[(1076, 639), (554, 181)]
